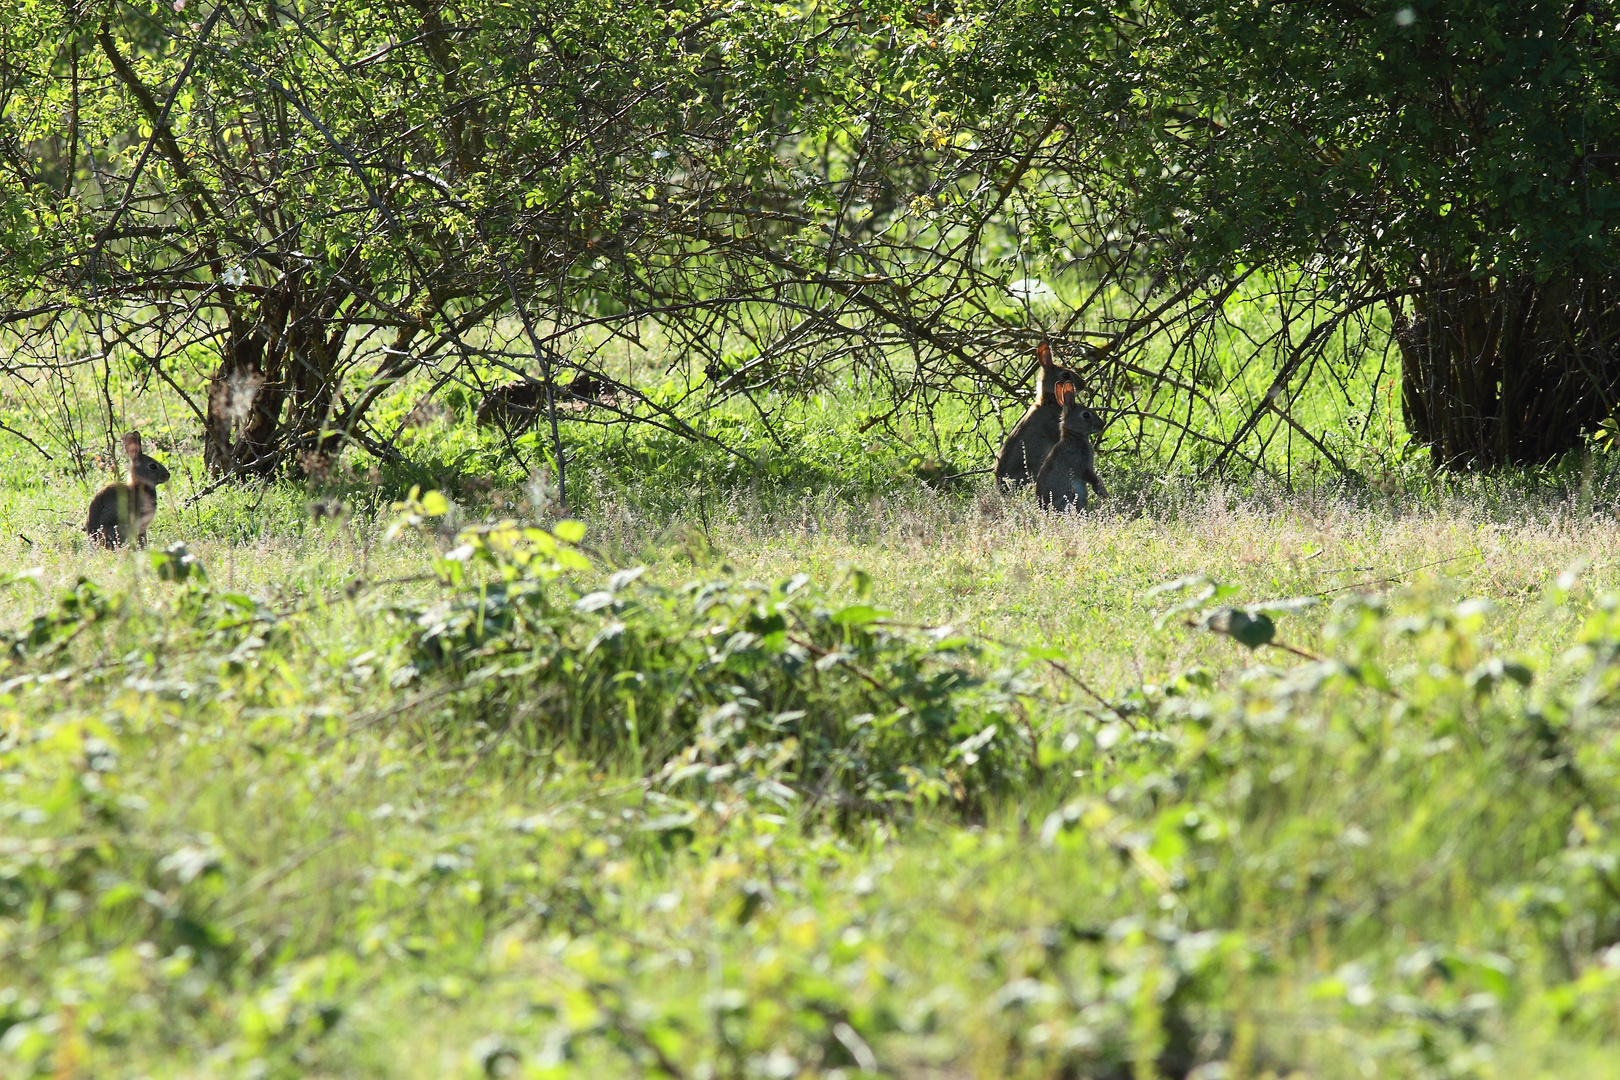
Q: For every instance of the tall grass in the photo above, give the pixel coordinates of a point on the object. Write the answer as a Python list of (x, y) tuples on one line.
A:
[(966, 799)]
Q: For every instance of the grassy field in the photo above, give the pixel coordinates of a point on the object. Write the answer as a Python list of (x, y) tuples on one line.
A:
[(381, 797)]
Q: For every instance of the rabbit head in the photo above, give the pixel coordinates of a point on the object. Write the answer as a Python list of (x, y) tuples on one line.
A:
[(143, 469), (1080, 419), (1052, 383)]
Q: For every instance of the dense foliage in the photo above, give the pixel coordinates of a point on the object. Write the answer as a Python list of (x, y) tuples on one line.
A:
[(304, 204), (832, 706), (283, 212), (265, 835), (1453, 162)]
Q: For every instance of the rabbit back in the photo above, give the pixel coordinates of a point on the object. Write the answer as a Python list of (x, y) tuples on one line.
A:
[(1030, 441), (120, 513), (109, 513)]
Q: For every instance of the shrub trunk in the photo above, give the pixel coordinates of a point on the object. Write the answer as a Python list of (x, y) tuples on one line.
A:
[(1507, 371), (272, 394)]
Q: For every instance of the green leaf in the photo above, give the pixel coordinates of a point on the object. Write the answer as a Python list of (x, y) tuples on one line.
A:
[(858, 615), (176, 563), (1249, 630), (569, 530)]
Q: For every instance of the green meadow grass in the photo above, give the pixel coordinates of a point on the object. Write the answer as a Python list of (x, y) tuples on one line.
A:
[(269, 824)]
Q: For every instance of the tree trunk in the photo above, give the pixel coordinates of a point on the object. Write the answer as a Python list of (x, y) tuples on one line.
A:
[(244, 397), (1507, 372), (309, 375), (273, 391)]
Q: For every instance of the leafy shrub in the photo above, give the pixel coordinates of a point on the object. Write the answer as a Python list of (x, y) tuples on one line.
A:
[(770, 686)]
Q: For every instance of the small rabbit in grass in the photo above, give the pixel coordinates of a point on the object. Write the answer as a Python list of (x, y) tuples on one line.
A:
[(121, 512), (1040, 429), (1072, 463)]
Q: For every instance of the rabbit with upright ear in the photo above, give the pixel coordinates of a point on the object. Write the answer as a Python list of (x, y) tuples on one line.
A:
[(1072, 464), (1040, 429), (121, 512)]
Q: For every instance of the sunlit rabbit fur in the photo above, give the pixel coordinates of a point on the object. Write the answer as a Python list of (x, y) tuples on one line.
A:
[(121, 512), (1040, 428)]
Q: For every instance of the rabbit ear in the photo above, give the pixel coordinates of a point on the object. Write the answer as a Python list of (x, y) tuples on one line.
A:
[(1043, 353), (132, 444)]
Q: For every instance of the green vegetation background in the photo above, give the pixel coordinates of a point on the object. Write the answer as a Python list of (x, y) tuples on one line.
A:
[(867, 771)]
